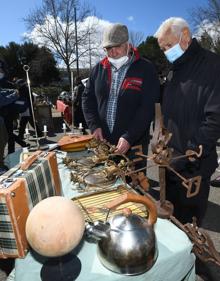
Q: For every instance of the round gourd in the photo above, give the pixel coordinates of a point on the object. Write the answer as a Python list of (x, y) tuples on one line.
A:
[(55, 226)]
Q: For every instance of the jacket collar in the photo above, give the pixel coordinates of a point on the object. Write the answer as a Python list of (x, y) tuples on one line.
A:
[(193, 49)]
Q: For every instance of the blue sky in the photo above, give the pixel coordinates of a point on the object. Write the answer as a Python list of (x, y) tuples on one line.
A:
[(139, 15)]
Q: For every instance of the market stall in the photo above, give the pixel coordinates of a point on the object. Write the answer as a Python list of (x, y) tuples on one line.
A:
[(175, 259)]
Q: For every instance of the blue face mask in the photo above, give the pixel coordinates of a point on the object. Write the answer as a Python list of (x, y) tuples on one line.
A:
[(175, 52)]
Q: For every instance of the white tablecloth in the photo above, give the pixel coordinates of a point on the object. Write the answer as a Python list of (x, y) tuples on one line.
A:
[(175, 261)]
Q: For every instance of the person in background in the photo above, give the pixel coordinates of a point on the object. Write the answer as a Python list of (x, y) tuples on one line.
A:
[(10, 111), (4, 82), (78, 112), (8, 97), (118, 101), (3, 142)]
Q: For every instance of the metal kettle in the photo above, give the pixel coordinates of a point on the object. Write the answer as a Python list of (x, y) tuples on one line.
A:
[(127, 243)]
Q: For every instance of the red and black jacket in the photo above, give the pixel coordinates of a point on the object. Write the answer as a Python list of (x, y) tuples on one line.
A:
[(137, 96)]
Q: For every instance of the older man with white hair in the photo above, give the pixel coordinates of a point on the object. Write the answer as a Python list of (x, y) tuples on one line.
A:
[(191, 110)]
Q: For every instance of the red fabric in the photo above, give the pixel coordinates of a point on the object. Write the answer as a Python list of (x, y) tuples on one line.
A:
[(66, 110), (134, 83), (61, 106), (67, 114), (106, 64)]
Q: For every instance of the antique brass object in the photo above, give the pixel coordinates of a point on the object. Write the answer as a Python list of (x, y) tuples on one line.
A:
[(100, 169), (99, 176)]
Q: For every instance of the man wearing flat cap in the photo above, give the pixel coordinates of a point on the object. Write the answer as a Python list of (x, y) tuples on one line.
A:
[(119, 98)]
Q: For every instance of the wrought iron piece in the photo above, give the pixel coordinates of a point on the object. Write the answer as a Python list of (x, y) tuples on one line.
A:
[(190, 184), (203, 246)]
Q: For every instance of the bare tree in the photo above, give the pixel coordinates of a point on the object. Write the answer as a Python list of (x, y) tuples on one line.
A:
[(209, 12), (58, 25), (206, 22), (136, 38)]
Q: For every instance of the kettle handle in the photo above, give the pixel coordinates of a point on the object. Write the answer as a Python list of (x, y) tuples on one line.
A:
[(132, 197)]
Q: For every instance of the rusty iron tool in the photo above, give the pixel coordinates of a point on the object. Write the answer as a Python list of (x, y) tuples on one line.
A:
[(203, 247)]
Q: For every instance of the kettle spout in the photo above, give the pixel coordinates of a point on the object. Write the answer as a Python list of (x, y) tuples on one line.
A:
[(97, 230)]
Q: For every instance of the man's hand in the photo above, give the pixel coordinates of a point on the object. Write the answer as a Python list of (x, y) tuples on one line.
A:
[(122, 146), (97, 134)]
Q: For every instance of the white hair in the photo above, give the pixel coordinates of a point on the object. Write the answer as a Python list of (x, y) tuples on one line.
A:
[(174, 24)]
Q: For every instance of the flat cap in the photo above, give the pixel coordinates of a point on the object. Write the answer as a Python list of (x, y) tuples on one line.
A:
[(115, 35)]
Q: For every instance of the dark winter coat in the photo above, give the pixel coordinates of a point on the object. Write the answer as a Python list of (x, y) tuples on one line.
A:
[(135, 109), (7, 96), (191, 105)]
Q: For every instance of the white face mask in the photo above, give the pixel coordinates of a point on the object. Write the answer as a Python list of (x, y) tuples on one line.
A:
[(118, 62)]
